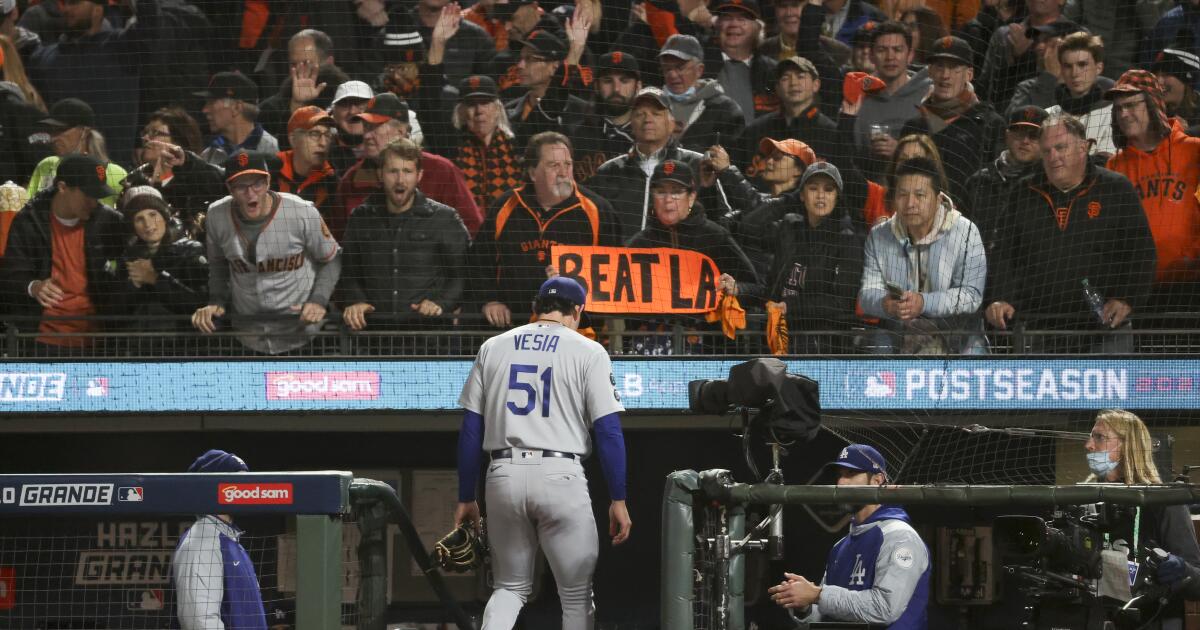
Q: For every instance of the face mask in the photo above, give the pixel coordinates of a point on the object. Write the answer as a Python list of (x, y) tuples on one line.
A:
[(679, 98), (1100, 464)]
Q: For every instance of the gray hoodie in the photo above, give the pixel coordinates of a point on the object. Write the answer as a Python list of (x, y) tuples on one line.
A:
[(688, 109), (891, 109)]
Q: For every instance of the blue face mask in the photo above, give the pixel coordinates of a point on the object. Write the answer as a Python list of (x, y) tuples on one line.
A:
[(679, 98), (1100, 464)]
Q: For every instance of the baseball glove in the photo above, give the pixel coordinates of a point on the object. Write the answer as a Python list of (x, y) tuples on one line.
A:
[(461, 550)]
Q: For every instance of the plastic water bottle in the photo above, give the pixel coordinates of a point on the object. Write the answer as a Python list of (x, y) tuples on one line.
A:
[(1094, 301)]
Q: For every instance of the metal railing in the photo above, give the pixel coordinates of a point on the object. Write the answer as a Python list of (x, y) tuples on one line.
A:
[(173, 337)]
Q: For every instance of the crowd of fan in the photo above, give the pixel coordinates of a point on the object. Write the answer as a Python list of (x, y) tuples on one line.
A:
[(911, 171)]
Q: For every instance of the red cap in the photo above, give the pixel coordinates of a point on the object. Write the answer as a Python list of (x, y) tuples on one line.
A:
[(858, 84), (308, 117), (790, 146)]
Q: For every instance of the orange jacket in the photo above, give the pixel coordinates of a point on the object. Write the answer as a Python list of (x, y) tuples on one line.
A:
[(1166, 180)]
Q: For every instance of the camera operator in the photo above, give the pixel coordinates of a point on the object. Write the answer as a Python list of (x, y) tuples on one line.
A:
[(1119, 451), (877, 574)]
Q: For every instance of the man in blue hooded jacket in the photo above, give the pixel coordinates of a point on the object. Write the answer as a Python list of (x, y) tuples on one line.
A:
[(215, 584), (879, 573)]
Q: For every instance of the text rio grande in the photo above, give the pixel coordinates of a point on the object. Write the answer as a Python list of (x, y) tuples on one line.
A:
[(1017, 384)]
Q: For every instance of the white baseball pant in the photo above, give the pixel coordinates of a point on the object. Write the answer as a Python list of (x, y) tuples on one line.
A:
[(531, 501)]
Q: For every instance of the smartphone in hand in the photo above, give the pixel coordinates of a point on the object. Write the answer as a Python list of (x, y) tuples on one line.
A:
[(894, 290)]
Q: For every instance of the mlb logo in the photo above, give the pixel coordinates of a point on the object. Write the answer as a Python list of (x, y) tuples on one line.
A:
[(881, 385), (130, 494), (98, 386), (151, 599)]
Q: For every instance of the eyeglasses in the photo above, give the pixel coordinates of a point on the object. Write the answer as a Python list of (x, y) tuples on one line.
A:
[(316, 135), (1100, 438), (258, 185), (669, 194), (154, 134)]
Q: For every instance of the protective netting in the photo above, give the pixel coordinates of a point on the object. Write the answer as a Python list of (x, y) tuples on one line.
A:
[(993, 449), (928, 452), (117, 573), (725, 179)]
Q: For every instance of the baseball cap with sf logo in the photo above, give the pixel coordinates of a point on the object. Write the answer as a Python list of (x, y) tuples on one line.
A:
[(86, 173), (246, 163)]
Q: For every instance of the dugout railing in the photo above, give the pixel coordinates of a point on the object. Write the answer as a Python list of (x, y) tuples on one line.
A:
[(57, 571), (704, 529), (461, 335)]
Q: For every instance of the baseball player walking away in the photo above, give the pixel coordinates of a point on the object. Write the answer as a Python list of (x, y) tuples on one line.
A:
[(530, 399)]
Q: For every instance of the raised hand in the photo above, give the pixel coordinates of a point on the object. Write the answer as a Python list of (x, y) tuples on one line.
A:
[(305, 88), (447, 23)]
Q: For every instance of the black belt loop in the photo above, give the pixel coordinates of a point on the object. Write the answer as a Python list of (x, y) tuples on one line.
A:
[(507, 453)]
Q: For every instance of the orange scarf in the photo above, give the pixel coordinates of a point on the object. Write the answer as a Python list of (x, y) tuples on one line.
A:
[(777, 328), (729, 312)]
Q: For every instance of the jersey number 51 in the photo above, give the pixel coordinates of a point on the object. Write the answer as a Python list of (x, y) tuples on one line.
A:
[(516, 383)]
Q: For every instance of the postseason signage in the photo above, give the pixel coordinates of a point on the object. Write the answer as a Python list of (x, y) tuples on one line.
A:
[(644, 384)]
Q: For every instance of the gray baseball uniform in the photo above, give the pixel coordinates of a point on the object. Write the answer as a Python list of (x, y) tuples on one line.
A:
[(293, 260), (539, 388)]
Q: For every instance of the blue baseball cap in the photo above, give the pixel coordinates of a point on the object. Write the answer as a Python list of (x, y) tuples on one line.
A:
[(564, 288), (217, 460), (862, 458)]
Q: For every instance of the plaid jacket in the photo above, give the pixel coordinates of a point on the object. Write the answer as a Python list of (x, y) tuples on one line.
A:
[(491, 170)]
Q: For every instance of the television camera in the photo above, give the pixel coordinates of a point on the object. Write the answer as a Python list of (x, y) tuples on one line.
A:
[(1060, 564)]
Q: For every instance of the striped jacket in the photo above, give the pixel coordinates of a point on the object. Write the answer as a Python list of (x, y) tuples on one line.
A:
[(951, 261)]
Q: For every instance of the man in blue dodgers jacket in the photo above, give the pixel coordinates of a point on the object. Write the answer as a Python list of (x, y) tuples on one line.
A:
[(215, 584), (879, 573)]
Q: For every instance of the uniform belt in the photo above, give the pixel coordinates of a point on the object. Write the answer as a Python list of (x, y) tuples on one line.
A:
[(507, 452)]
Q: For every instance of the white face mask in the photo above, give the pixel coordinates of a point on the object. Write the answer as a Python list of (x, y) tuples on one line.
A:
[(1100, 464)]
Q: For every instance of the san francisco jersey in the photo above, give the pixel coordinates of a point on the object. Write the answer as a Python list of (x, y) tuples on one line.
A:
[(540, 386), (282, 273)]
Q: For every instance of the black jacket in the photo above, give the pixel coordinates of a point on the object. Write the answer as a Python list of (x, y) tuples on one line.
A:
[(18, 122), (275, 110), (816, 272), (987, 194), (762, 81), (967, 143), (1170, 529), (195, 185), (392, 261), (812, 127), (1102, 235), (699, 234), (597, 140), (719, 122), (512, 249), (180, 289), (29, 252), (625, 185), (468, 52), (104, 70), (551, 112)]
